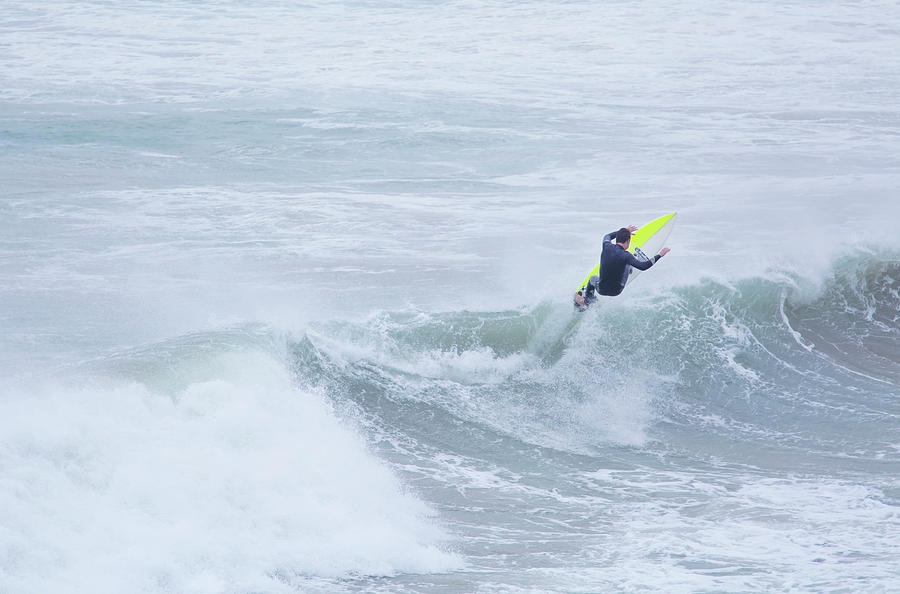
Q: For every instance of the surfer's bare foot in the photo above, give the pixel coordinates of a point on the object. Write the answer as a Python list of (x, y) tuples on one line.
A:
[(579, 300)]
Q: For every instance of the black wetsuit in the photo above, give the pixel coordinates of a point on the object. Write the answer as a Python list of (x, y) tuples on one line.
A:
[(615, 265)]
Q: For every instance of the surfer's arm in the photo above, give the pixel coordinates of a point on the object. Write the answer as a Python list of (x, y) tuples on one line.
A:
[(610, 237), (641, 264), (644, 265)]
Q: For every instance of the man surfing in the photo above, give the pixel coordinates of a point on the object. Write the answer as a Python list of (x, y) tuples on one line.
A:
[(616, 263)]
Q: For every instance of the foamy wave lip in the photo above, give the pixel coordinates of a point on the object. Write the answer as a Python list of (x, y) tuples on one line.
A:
[(479, 365), (240, 483), (475, 365)]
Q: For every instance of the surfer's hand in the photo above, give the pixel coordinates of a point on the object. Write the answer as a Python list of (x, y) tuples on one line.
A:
[(663, 252), (632, 228)]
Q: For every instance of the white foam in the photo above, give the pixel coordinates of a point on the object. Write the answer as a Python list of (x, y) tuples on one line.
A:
[(698, 534), (222, 484), (479, 364)]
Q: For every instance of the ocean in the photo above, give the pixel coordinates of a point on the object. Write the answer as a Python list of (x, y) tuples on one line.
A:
[(286, 297)]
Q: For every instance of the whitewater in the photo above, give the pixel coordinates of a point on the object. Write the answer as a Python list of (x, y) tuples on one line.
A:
[(285, 297)]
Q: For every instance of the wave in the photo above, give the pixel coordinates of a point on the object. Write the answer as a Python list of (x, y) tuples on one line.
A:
[(750, 359), (197, 465), (249, 460), (855, 322)]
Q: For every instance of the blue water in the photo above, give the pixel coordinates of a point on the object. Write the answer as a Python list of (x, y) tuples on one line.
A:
[(285, 297)]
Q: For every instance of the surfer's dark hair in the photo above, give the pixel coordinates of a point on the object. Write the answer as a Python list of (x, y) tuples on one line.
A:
[(623, 235)]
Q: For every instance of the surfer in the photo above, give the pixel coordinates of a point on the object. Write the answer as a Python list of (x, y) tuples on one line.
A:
[(615, 266), (616, 262)]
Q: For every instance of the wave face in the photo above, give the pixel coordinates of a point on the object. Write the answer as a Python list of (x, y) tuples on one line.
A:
[(771, 350)]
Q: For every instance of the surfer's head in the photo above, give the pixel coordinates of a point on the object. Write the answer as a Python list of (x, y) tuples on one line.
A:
[(623, 236)]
